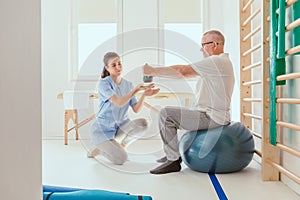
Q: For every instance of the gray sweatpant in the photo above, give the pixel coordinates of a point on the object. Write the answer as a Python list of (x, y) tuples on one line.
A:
[(125, 135), (173, 118)]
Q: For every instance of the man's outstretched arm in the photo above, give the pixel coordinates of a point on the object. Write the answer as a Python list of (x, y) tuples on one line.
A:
[(174, 71)]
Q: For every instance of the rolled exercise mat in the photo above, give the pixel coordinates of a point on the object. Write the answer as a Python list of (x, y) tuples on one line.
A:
[(66, 193)]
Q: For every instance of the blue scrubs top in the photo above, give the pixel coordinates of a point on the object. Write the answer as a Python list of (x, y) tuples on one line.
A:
[(110, 117)]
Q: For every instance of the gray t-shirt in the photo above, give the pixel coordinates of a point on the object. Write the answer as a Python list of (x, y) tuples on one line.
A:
[(214, 87)]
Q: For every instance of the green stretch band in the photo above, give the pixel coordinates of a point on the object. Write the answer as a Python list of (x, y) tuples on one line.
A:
[(296, 31), (273, 63), (281, 30), (280, 62)]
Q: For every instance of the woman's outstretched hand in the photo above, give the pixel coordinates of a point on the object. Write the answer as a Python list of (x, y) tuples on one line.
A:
[(149, 90)]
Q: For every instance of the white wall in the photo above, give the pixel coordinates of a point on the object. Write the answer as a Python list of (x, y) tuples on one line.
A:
[(55, 65), (20, 102)]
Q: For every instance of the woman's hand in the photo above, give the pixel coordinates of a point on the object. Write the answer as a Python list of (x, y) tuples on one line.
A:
[(144, 87), (151, 91)]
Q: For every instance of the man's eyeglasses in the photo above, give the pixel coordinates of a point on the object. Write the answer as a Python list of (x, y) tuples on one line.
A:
[(205, 43)]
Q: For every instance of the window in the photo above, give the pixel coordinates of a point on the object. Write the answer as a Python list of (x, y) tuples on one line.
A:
[(90, 36), (185, 20), (91, 24), (192, 31)]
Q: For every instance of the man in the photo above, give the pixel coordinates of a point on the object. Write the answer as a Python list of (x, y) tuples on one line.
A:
[(215, 82)]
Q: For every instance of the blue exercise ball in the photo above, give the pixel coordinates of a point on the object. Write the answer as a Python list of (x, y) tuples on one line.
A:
[(225, 149)]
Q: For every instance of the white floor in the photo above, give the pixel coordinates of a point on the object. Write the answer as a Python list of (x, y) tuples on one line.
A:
[(67, 165)]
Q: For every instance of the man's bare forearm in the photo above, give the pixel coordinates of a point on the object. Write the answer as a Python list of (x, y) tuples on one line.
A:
[(173, 72)]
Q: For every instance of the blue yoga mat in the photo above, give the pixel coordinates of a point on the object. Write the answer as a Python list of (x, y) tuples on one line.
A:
[(65, 193)]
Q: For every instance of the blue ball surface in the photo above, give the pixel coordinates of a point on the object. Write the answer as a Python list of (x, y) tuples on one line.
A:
[(225, 149)]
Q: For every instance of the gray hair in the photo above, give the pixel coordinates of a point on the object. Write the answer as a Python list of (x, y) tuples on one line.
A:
[(217, 35)]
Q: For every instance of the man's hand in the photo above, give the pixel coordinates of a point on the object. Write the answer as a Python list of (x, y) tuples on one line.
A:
[(148, 70)]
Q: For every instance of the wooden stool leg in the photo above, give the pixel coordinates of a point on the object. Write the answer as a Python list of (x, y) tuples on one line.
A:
[(76, 123), (187, 102), (66, 126), (73, 115)]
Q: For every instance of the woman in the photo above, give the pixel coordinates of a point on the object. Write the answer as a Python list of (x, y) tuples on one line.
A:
[(112, 130)]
